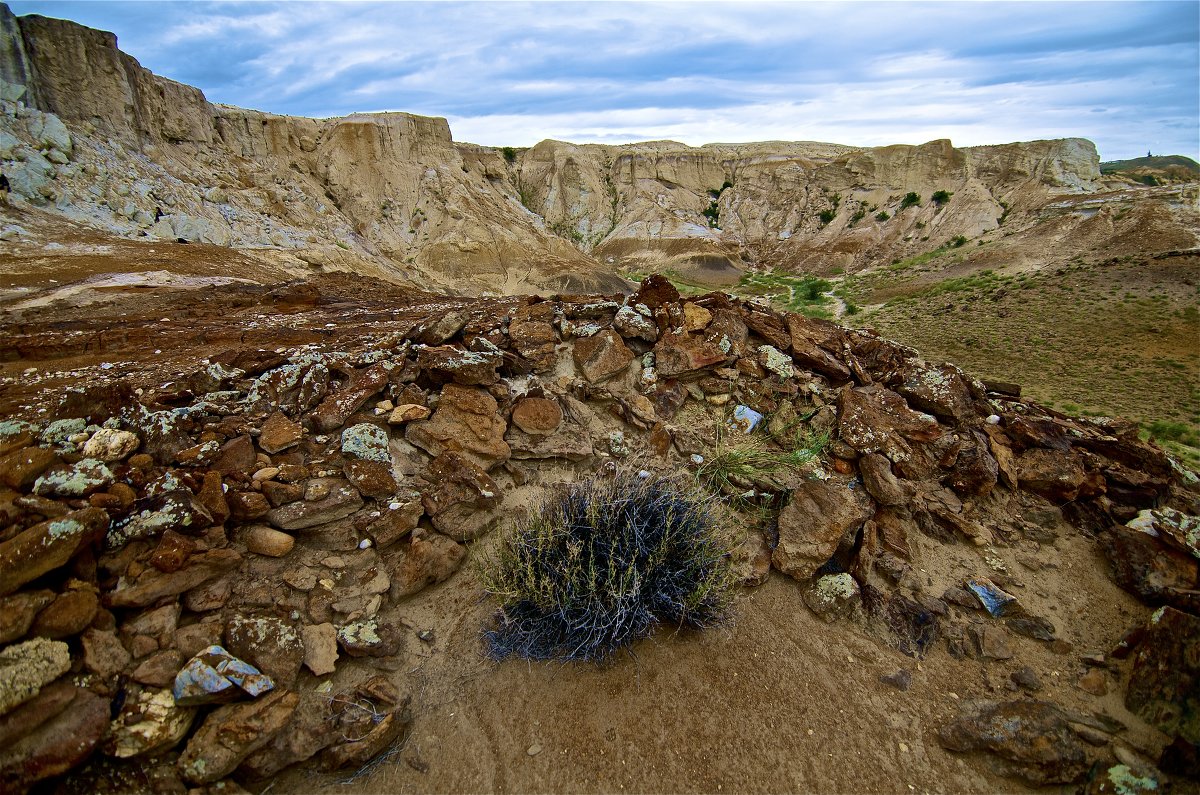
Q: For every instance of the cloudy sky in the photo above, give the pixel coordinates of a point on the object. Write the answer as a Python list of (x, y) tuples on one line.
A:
[(1125, 74)]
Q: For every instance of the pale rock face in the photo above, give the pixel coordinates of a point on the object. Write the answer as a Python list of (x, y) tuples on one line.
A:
[(392, 195)]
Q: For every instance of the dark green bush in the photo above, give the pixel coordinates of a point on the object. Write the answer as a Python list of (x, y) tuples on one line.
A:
[(602, 565), (910, 199), (882, 216), (959, 241), (940, 197), (827, 216), (510, 154)]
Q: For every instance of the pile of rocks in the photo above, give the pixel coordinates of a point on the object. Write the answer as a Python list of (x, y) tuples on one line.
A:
[(187, 565)]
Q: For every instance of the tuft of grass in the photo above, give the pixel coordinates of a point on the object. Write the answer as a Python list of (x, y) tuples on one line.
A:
[(605, 562), (746, 462)]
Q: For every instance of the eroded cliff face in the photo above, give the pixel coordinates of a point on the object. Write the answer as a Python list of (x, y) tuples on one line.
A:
[(394, 195)]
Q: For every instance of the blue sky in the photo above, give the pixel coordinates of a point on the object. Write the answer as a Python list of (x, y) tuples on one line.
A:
[(1126, 74)]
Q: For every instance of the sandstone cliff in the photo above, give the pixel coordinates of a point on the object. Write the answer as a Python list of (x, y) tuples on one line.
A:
[(392, 194)]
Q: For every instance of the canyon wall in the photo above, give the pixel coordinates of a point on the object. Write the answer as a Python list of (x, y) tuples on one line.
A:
[(393, 194)]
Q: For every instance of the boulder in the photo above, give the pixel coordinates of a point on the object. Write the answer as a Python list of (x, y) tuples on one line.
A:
[(815, 344), (370, 718), (80, 479), (176, 510), (17, 613), (1164, 685), (59, 743), (880, 483), (341, 499), (103, 653), (469, 368), (151, 584), (601, 356), (1031, 740), (1054, 474), (231, 733), (677, 353), (214, 676), (457, 496), (427, 559), (466, 421), (20, 468), (943, 391), (397, 521), (1147, 568), (370, 638), (149, 722), (813, 523), (537, 416), (279, 433), (270, 644), (25, 668), (110, 444), (71, 613), (47, 546), (337, 407)]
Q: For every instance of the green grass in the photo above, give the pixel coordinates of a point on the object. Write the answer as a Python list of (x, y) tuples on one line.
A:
[(793, 293), (740, 462)]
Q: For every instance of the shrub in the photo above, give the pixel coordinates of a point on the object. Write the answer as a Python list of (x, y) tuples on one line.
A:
[(959, 241), (882, 216), (510, 154), (940, 197), (827, 216), (910, 199), (602, 565)]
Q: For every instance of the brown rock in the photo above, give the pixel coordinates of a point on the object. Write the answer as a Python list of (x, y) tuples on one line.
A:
[(1094, 681), (47, 546), (320, 648), (454, 493), (655, 291), (237, 456), (1031, 740), (104, 654), (876, 420), (246, 506), (397, 521), (1053, 474), (231, 733), (601, 356), (534, 340), (371, 478), (815, 344), (408, 412), (1147, 568), (14, 442), (18, 611), (466, 421), (677, 353), (880, 483), (660, 440), (370, 638), (270, 644), (468, 368), (991, 642), (71, 613), (195, 638), (975, 471), (427, 559), (357, 719), (695, 318), (159, 669), (263, 540), (279, 433), (281, 493), (309, 730), (62, 741), (1163, 688), (151, 585), (212, 497), (814, 522), (340, 501), (943, 391), (337, 407), (173, 552), (21, 468), (537, 416)]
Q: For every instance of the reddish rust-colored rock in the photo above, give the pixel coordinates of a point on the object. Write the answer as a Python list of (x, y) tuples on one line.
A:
[(21, 468), (677, 353), (71, 613), (537, 416), (815, 344), (231, 733), (172, 552), (813, 523), (1052, 474), (246, 506), (459, 365), (1148, 568), (337, 407), (1031, 740), (71, 725), (279, 433), (457, 495), (1163, 685), (237, 456), (371, 478), (427, 559), (466, 421), (602, 356)]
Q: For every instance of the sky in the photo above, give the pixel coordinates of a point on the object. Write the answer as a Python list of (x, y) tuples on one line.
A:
[(1124, 74)]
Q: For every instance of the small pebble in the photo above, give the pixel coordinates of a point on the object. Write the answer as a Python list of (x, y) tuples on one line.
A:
[(534, 750), (364, 544)]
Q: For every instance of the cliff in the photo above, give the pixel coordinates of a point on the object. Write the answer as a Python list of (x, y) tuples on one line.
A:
[(394, 195)]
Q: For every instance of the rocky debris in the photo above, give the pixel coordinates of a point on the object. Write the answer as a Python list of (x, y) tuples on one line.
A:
[(372, 717), (1031, 740), (833, 597), (231, 733), (189, 567), (48, 545)]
